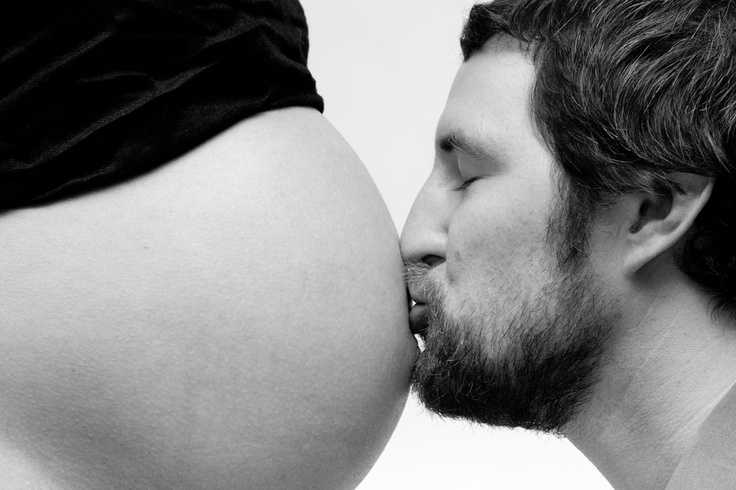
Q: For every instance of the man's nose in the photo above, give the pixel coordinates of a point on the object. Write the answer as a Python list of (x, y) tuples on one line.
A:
[(424, 237)]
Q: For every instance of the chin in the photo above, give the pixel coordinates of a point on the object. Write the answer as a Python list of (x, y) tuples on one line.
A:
[(525, 368)]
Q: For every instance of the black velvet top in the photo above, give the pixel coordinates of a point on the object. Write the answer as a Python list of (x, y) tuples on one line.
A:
[(96, 91)]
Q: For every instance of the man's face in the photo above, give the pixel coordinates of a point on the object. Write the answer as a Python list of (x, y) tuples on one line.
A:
[(512, 338)]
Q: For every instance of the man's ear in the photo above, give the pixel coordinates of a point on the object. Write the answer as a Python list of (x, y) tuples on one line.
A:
[(661, 221)]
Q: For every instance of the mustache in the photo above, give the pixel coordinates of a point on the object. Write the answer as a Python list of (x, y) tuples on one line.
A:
[(415, 272), (418, 280)]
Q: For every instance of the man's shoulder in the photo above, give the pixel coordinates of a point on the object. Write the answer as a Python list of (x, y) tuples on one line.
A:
[(712, 462)]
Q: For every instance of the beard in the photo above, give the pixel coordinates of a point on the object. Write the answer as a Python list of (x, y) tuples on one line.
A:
[(529, 365)]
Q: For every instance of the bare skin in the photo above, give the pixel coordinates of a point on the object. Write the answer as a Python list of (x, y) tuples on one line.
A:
[(664, 375), (480, 222), (234, 319)]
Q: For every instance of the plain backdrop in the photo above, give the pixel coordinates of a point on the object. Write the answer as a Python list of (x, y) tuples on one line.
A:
[(384, 68)]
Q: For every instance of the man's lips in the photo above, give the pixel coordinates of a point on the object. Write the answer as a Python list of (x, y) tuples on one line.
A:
[(418, 318)]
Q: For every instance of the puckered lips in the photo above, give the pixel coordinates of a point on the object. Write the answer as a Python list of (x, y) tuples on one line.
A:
[(418, 317)]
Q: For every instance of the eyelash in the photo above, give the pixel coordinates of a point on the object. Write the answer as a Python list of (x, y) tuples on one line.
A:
[(466, 184)]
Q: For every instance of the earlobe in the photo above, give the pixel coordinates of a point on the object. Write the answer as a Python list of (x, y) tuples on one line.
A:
[(663, 220)]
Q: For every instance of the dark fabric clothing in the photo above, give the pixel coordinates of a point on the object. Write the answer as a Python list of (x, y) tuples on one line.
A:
[(711, 465), (93, 92)]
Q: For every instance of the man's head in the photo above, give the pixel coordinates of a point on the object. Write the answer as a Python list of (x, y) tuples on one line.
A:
[(602, 137)]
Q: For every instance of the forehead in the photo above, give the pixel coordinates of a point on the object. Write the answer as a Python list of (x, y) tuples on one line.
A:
[(490, 97)]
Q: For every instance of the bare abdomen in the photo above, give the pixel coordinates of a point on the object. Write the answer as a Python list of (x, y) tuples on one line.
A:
[(235, 319)]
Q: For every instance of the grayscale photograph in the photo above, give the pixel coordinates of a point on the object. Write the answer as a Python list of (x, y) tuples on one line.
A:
[(368, 245)]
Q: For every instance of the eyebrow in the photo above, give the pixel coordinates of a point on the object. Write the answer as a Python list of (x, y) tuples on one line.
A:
[(457, 141)]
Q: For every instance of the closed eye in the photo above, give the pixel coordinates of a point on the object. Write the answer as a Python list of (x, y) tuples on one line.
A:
[(466, 184)]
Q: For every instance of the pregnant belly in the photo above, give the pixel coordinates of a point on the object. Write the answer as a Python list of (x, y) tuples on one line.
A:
[(235, 319)]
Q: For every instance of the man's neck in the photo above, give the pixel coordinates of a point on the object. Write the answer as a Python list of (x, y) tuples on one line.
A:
[(669, 364)]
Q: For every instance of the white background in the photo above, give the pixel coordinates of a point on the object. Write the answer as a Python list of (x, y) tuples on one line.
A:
[(384, 68)]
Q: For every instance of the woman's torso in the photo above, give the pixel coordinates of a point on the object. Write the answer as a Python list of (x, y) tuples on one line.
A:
[(234, 319)]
